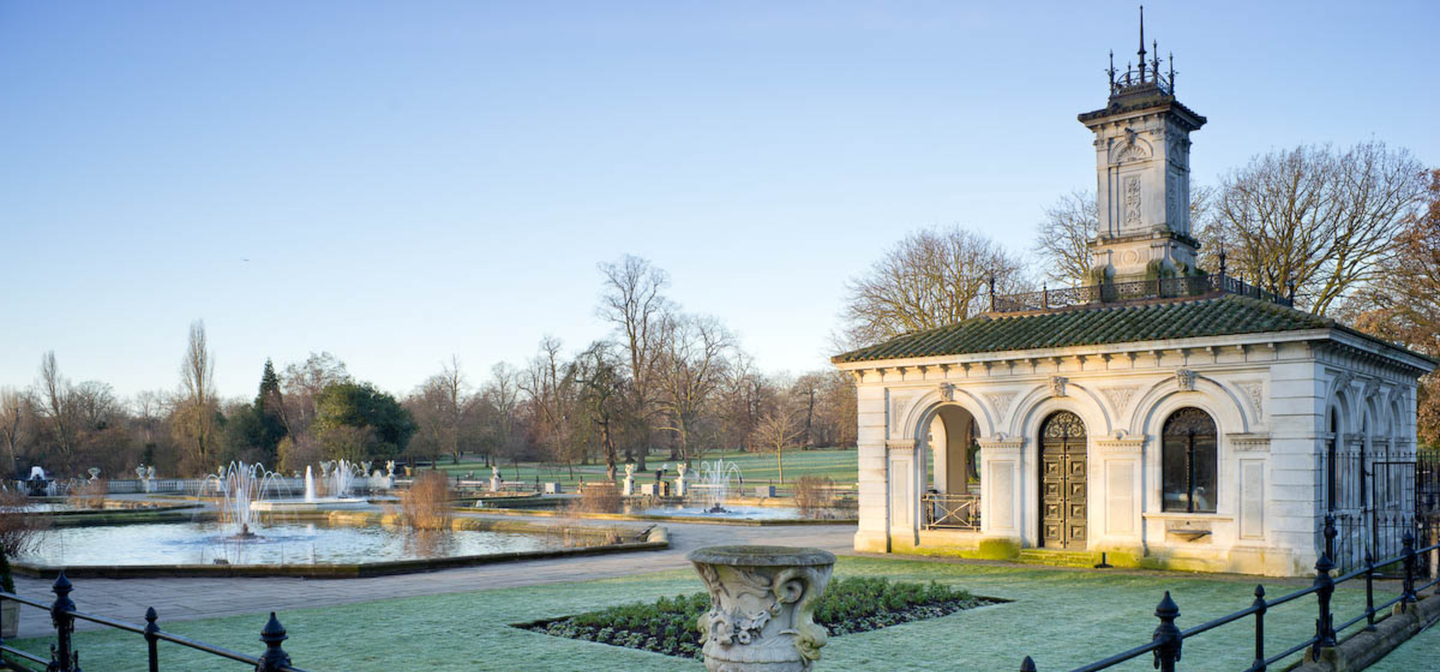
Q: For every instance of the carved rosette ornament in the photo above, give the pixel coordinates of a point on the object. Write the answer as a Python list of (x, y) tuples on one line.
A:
[(762, 607)]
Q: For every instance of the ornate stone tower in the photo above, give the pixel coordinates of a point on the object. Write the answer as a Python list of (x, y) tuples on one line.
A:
[(1142, 166)]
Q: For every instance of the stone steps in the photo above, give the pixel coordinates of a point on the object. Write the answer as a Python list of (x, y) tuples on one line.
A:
[(1038, 556)]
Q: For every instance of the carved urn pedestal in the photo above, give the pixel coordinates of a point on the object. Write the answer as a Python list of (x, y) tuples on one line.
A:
[(762, 600)]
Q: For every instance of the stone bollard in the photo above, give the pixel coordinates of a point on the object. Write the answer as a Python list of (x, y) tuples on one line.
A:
[(762, 603)]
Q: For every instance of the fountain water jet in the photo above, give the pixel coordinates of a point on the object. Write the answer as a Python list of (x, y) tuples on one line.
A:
[(240, 487)]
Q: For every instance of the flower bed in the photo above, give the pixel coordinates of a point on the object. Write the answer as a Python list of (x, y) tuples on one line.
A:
[(670, 625)]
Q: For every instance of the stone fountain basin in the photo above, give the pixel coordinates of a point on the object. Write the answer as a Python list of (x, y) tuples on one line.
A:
[(300, 505)]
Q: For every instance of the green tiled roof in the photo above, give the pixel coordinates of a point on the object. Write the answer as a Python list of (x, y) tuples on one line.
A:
[(1217, 316)]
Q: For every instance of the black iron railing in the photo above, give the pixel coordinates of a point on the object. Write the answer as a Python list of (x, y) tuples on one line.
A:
[(1166, 643), (1114, 292), (64, 657)]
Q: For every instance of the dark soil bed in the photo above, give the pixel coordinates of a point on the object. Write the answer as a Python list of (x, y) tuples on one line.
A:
[(670, 625)]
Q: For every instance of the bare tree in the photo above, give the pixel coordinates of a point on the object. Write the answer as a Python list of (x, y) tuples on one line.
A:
[(932, 278), (304, 383), (1072, 222), (15, 414), (1063, 237), (550, 386), (1403, 303), (195, 412), (778, 430), (602, 390), (57, 407), (691, 368), (633, 304), (1321, 219), (440, 406)]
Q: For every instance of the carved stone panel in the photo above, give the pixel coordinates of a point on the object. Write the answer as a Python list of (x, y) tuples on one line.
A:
[(1132, 201)]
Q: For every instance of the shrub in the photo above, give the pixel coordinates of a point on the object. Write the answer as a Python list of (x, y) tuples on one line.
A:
[(90, 494), (427, 504), (814, 496), (20, 530), (7, 582), (850, 605), (596, 498)]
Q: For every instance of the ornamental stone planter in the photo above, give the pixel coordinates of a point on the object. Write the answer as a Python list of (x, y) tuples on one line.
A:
[(762, 600)]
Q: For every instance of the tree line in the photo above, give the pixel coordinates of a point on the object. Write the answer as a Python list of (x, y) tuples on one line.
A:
[(667, 383)]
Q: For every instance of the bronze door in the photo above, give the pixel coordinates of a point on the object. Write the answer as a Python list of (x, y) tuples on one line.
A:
[(1062, 482)]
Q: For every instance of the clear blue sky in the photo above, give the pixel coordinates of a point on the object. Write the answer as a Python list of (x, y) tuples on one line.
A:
[(410, 180)]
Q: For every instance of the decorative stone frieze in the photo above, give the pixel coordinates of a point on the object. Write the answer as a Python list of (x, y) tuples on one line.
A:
[(1001, 444), (900, 444), (1249, 443), (762, 607), (1121, 442)]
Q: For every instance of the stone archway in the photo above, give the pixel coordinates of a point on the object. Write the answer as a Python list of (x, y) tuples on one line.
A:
[(1064, 482)]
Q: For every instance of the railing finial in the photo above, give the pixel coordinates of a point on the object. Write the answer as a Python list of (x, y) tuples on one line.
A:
[(275, 657), (1167, 634)]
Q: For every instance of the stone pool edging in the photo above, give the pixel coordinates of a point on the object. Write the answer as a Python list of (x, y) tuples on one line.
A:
[(654, 538), (542, 513)]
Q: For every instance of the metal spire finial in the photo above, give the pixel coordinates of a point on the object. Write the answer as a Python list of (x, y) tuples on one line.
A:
[(1142, 44), (1111, 70), (1172, 73)]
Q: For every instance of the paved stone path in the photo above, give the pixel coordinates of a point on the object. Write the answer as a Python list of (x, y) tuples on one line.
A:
[(177, 599)]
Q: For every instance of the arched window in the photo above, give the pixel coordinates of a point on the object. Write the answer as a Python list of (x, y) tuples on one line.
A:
[(1189, 462)]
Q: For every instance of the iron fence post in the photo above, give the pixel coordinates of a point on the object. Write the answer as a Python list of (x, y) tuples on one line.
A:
[(1167, 634), (62, 659), (1027, 665), (1260, 608), (1324, 622), (1369, 592), (1407, 595), (275, 657), (152, 640)]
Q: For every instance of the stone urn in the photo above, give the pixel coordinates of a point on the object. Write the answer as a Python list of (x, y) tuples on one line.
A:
[(762, 603)]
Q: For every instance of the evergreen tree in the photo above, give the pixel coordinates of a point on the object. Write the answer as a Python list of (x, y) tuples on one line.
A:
[(270, 411)]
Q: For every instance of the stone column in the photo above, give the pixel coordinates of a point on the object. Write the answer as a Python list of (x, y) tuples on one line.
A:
[(762, 603)]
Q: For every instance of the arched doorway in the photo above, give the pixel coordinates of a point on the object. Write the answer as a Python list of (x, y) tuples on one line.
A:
[(951, 499), (1063, 482)]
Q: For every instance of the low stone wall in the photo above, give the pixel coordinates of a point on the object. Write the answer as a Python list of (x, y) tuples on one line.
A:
[(651, 538), (1364, 649), (639, 517)]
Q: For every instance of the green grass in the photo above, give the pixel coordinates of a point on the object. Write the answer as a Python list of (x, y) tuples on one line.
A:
[(1064, 618), (757, 468)]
